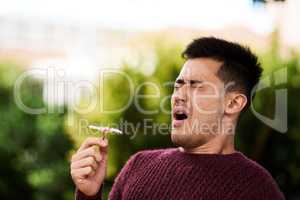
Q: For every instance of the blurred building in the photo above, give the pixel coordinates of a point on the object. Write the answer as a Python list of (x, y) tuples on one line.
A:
[(35, 41), (31, 40), (287, 17)]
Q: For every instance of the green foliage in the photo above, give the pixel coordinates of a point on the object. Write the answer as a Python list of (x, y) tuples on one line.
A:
[(33, 148)]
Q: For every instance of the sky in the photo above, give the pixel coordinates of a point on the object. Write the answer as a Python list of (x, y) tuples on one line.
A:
[(144, 14)]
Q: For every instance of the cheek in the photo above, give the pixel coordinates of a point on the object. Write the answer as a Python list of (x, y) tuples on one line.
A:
[(172, 100), (206, 105)]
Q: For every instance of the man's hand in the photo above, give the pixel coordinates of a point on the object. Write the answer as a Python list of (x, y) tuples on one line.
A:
[(88, 165)]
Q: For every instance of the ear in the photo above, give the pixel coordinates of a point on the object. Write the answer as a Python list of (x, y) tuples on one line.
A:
[(235, 102)]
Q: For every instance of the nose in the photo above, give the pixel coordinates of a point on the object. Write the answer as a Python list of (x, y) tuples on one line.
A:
[(180, 95)]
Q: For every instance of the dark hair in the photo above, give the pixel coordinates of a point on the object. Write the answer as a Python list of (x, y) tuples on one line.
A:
[(239, 64)]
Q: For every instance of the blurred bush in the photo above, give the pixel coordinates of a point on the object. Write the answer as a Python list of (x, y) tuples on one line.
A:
[(33, 148)]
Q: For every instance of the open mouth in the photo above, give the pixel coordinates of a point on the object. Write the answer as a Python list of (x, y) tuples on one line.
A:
[(180, 116)]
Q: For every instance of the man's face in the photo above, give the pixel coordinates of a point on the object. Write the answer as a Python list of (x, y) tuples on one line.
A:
[(197, 103)]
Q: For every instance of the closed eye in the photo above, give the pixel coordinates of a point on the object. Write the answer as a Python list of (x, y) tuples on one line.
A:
[(177, 85), (197, 85)]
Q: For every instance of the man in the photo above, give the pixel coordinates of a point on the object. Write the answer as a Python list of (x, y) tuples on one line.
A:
[(212, 90)]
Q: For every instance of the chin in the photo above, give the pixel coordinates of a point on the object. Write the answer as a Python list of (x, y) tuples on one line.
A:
[(186, 140), (180, 139), (175, 137)]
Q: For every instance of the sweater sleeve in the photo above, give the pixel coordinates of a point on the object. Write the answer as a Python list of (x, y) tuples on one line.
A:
[(81, 196), (117, 188)]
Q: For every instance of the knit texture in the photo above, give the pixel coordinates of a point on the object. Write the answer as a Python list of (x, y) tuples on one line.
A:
[(172, 174)]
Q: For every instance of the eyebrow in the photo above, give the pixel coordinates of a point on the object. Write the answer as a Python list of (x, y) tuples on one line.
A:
[(181, 81)]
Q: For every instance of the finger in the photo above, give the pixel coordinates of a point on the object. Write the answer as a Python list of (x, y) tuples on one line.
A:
[(91, 151), (103, 145), (86, 162), (82, 173), (104, 150), (90, 141)]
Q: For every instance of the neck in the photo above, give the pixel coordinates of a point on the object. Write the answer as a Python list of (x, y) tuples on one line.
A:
[(222, 144)]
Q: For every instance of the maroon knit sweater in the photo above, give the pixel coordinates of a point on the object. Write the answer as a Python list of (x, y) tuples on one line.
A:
[(172, 174)]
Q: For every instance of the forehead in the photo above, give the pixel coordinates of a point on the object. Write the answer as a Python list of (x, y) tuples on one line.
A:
[(204, 69)]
